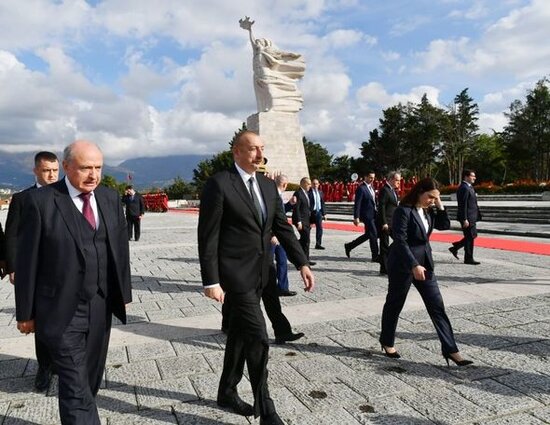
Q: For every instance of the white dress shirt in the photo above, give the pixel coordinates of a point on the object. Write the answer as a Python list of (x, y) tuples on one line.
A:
[(74, 193)]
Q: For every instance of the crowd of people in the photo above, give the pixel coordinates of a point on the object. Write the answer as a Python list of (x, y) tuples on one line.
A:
[(66, 250)]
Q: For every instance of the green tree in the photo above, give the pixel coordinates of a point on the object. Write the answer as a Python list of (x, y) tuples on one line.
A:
[(318, 159), (423, 137), (527, 136), (459, 134), (489, 158), (110, 181), (179, 188), (341, 168), (220, 161)]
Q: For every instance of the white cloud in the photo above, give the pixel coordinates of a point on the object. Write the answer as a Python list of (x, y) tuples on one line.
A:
[(477, 10), (390, 56), (346, 38), (409, 24), (375, 95)]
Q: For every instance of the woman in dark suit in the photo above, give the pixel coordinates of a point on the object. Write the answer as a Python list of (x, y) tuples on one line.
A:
[(410, 261)]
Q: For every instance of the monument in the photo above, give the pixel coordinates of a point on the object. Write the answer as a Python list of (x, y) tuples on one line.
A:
[(278, 100)]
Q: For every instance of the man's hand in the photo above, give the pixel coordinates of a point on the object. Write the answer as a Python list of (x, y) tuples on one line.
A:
[(274, 241), (12, 278), (324, 218), (386, 228), (216, 293), (299, 226), (26, 326), (307, 277), (465, 224), (356, 221), (418, 272)]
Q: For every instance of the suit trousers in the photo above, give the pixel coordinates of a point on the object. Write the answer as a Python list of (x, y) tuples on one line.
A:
[(398, 288), (246, 342), (282, 267), (467, 242), (42, 354), (384, 247), (304, 238), (370, 235), (318, 220), (272, 304), (133, 223), (79, 358)]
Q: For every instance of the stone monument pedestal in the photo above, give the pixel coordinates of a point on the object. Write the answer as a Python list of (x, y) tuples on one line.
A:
[(284, 149)]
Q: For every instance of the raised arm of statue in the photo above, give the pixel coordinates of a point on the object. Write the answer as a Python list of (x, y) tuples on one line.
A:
[(275, 74)]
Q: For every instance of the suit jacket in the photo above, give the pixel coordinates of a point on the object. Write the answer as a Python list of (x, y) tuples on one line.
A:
[(12, 226), (234, 246), (301, 212), (411, 243), (2, 244), (387, 203), (312, 201), (134, 207), (467, 204), (364, 207), (51, 266)]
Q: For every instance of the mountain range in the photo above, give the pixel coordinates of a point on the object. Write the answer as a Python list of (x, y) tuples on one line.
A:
[(16, 170)]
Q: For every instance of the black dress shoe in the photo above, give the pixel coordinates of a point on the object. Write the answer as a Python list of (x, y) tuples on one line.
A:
[(236, 404), (472, 262), (312, 263), (347, 249), (272, 419), (283, 339), (42, 379), (319, 247), (287, 293), (453, 250)]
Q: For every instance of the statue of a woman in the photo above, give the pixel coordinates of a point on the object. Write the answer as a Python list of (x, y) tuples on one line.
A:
[(275, 75)]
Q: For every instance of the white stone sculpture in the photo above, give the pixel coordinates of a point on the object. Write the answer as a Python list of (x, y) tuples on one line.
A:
[(275, 74)]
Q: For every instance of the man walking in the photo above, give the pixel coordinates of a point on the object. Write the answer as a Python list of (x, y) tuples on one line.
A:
[(135, 208), (388, 200), (301, 215), (46, 171), (73, 273), (468, 215), (317, 205), (239, 212), (364, 210)]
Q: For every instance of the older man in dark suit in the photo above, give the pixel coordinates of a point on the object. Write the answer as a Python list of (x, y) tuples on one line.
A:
[(301, 215), (72, 273), (388, 200), (46, 171), (468, 215), (239, 212)]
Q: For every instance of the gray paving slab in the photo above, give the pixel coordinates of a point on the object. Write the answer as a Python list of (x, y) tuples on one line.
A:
[(164, 367)]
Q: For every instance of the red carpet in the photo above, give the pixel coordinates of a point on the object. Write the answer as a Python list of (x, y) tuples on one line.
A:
[(481, 241)]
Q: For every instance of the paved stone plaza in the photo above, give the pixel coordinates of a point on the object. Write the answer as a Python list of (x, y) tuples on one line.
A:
[(164, 366)]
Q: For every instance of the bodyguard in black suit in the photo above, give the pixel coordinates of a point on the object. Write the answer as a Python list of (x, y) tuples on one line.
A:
[(46, 171), (467, 214), (73, 273), (239, 212), (317, 207), (135, 208), (388, 199), (301, 215), (410, 261)]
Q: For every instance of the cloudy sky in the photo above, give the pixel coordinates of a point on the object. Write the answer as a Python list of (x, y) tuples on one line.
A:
[(154, 78)]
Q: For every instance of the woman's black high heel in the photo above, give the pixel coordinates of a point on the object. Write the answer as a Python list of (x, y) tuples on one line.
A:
[(394, 355), (448, 357)]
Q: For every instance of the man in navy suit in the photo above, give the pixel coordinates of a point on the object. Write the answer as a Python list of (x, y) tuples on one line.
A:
[(72, 274), (46, 171), (364, 210), (317, 206), (388, 200), (240, 211), (468, 215)]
